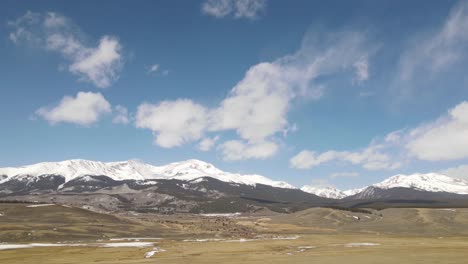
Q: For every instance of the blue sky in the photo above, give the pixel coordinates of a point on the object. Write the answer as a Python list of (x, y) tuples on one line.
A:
[(344, 93)]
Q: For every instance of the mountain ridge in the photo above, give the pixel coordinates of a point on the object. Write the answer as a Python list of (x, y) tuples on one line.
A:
[(135, 170), (428, 182)]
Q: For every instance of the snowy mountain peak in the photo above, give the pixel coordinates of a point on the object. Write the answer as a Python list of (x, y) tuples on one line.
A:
[(326, 192), (432, 182), (135, 170)]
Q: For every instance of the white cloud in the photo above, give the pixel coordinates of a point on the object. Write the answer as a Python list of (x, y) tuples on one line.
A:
[(239, 150), (371, 158), (84, 109), (121, 115), (257, 106), (237, 8), (444, 139), (457, 172), (153, 68), (343, 174), (173, 122), (52, 20), (98, 65), (362, 70), (208, 143)]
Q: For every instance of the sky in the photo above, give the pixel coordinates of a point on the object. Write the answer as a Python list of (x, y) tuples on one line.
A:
[(329, 93)]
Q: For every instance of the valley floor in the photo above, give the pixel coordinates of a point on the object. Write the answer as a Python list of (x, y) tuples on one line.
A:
[(58, 234)]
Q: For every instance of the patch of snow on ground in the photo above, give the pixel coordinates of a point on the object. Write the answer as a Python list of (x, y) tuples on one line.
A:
[(127, 244), (32, 245), (361, 244), (221, 215), (38, 205), (151, 253), (204, 240), (304, 248), (286, 237), (113, 245), (240, 240), (134, 238)]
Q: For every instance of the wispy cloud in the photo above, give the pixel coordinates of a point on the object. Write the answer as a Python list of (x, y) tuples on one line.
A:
[(153, 68), (99, 65), (208, 143), (431, 53), (362, 70), (121, 115), (372, 158), (343, 175), (237, 8)]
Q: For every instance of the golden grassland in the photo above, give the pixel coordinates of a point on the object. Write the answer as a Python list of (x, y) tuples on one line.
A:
[(316, 235)]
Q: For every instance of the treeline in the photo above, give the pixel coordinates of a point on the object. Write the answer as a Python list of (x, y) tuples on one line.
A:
[(354, 210), (19, 202)]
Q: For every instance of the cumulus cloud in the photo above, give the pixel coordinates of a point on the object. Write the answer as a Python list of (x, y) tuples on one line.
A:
[(370, 158), (444, 139), (173, 122), (84, 109), (121, 115), (98, 65), (237, 8), (208, 143), (256, 107)]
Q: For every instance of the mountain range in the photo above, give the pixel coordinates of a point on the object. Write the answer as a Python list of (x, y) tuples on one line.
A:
[(197, 186)]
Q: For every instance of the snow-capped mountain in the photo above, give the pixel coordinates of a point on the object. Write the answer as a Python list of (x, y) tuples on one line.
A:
[(188, 170), (191, 186), (431, 182), (326, 192)]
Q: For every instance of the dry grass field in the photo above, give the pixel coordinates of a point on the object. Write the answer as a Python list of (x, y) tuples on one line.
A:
[(318, 235)]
